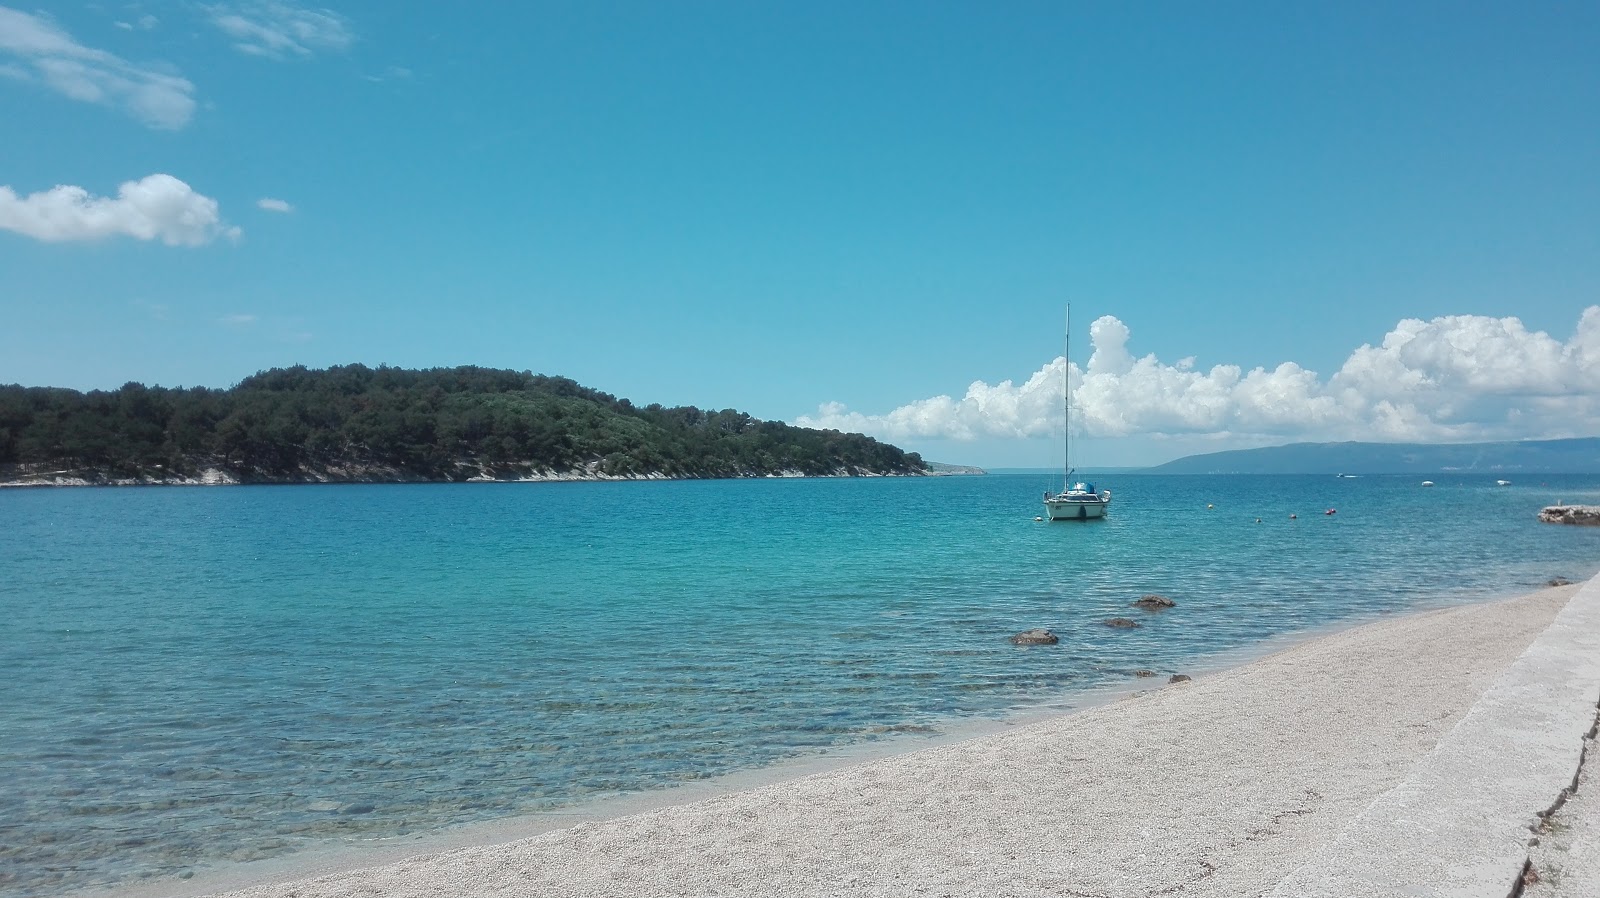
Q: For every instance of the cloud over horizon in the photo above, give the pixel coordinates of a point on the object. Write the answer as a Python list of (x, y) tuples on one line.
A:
[(154, 207), (1454, 378), (48, 55), (278, 30)]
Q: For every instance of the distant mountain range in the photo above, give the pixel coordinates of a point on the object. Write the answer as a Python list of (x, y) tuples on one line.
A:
[(1574, 456)]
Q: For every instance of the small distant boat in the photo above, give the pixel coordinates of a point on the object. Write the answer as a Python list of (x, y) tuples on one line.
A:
[(1427, 483), (1078, 500), (1502, 483)]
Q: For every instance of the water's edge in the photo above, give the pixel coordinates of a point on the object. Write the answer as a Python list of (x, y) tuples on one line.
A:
[(347, 856)]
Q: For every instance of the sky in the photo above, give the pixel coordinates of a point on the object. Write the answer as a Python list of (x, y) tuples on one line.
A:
[(1273, 222)]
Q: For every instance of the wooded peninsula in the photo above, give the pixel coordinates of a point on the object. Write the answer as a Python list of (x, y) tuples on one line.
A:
[(355, 423)]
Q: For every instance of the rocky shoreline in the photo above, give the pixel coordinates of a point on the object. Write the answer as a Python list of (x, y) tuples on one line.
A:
[(1571, 514), (219, 475)]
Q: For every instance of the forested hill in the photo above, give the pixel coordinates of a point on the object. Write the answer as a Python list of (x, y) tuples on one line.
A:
[(1573, 456), (358, 423)]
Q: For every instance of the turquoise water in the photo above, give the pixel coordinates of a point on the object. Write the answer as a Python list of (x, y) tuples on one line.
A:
[(195, 677)]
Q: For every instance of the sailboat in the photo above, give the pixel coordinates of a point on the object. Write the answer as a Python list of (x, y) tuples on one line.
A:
[(1078, 500)]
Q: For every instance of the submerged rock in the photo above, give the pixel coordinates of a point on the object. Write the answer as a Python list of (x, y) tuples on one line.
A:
[(1178, 678), (1558, 581), (1153, 602), (1036, 636), (1121, 623), (1142, 673), (1570, 514)]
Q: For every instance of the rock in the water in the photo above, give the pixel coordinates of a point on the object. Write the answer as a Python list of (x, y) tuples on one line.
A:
[(1153, 602), (1558, 581), (1142, 673), (1121, 623), (1570, 514), (1178, 678), (1035, 637)]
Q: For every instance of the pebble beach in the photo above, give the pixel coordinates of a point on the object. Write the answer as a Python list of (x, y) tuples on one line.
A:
[(1231, 784)]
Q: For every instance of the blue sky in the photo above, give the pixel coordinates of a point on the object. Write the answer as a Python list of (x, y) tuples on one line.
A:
[(866, 215)]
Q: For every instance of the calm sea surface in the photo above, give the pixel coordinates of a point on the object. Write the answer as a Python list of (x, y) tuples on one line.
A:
[(195, 677)]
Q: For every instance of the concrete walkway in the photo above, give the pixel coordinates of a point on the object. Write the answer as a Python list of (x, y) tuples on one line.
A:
[(1566, 862), (1470, 817)]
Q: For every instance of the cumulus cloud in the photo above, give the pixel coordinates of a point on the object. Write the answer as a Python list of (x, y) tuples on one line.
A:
[(279, 30), (144, 23), (156, 207), (272, 205), (46, 54), (1458, 377)]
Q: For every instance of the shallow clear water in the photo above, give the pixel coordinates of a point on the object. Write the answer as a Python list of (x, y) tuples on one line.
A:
[(195, 677)]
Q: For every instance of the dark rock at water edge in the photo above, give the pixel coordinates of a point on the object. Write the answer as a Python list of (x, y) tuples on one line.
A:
[(1154, 602), (1121, 623), (1035, 637), (1142, 673), (1558, 581), (1178, 678), (1571, 514)]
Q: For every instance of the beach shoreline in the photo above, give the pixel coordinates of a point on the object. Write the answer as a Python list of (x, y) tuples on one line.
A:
[(213, 475), (1133, 779)]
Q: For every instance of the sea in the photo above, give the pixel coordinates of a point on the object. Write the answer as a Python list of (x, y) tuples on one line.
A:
[(193, 679)]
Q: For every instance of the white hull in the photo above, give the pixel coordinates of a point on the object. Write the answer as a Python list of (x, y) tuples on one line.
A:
[(1077, 508)]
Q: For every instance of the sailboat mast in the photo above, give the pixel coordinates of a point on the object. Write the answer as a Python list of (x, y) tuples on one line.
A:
[(1066, 385)]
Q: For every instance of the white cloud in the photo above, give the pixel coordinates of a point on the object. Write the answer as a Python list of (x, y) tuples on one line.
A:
[(144, 23), (47, 54), (272, 205), (1459, 377), (278, 30), (154, 207), (392, 73)]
